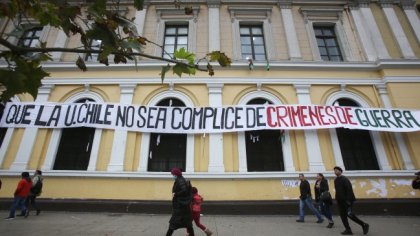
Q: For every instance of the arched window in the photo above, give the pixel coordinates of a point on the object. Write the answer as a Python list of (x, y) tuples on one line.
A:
[(2, 129), (75, 147), (167, 150), (356, 146), (263, 147)]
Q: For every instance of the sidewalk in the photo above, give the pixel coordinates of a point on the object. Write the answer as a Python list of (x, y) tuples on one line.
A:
[(113, 224)]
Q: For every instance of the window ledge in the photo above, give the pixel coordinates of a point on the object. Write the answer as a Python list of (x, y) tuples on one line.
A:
[(205, 175)]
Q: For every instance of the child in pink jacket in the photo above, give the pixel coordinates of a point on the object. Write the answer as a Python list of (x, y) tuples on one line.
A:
[(196, 211)]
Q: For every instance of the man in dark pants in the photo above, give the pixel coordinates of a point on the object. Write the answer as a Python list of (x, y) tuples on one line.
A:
[(345, 197)]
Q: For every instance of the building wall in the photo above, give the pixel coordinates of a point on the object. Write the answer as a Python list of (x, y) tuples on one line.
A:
[(359, 77)]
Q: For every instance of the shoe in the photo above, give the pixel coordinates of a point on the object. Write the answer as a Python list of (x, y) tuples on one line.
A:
[(365, 228), (300, 221), (208, 232), (9, 218), (38, 212), (21, 215), (330, 225), (347, 232), (320, 221)]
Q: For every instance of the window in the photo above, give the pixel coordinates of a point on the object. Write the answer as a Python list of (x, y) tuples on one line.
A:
[(31, 37), (2, 129), (167, 150), (356, 145), (252, 42), (176, 37), (94, 45), (75, 147), (264, 147), (327, 43)]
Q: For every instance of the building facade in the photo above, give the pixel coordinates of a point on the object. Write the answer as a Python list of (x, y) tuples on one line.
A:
[(345, 53)]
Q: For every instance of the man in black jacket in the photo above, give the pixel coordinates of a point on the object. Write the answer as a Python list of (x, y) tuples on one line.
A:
[(344, 196), (306, 199)]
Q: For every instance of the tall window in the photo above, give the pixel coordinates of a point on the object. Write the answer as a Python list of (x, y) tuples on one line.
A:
[(95, 44), (167, 150), (326, 39), (356, 145), (252, 42), (2, 129), (176, 37), (31, 37), (263, 147), (75, 147)]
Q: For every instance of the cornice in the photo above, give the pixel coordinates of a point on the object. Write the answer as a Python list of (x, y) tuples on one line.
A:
[(274, 65), (204, 175)]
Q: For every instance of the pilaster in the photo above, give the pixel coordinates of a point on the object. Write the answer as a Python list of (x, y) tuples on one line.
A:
[(311, 137)]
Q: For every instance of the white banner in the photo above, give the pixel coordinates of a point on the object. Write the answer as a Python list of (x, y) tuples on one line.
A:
[(155, 119)]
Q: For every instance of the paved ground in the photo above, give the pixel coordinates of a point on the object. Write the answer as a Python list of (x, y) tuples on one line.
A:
[(112, 224)]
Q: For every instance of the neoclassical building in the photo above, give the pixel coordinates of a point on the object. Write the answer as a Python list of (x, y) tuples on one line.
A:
[(361, 53)]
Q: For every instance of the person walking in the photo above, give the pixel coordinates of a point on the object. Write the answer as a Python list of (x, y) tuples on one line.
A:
[(416, 181), (35, 191), (181, 204), (306, 199), (323, 197), (196, 211), (21, 192), (345, 198)]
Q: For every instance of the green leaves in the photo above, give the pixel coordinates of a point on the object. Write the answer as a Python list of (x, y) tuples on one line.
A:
[(220, 57), (187, 68), (24, 78), (102, 22), (138, 4), (81, 64), (163, 72), (183, 54)]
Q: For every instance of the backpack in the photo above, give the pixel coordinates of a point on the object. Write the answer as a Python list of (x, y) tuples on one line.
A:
[(37, 188)]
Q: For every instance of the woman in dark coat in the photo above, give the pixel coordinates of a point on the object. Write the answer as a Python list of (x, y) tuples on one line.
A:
[(321, 186), (181, 200)]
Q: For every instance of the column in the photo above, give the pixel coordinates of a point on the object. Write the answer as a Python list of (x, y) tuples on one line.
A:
[(413, 18), (60, 42), (311, 136), (398, 137), (373, 28), (140, 20), (120, 136), (290, 30), (397, 30), (364, 35), (29, 136), (216, 164), (214, 25)]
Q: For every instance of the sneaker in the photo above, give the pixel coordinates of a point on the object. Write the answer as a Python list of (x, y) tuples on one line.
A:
[(365, 228), (9, 218), (38, 212), (300, 221), (21, 215), (330, 225), (320, 221), (347, 232)]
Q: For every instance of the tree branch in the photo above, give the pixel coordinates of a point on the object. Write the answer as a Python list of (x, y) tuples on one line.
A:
[(23, 50)]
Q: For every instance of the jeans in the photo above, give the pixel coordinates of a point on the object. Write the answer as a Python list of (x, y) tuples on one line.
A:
[(18, 202), (308, 202), (325, 210)]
